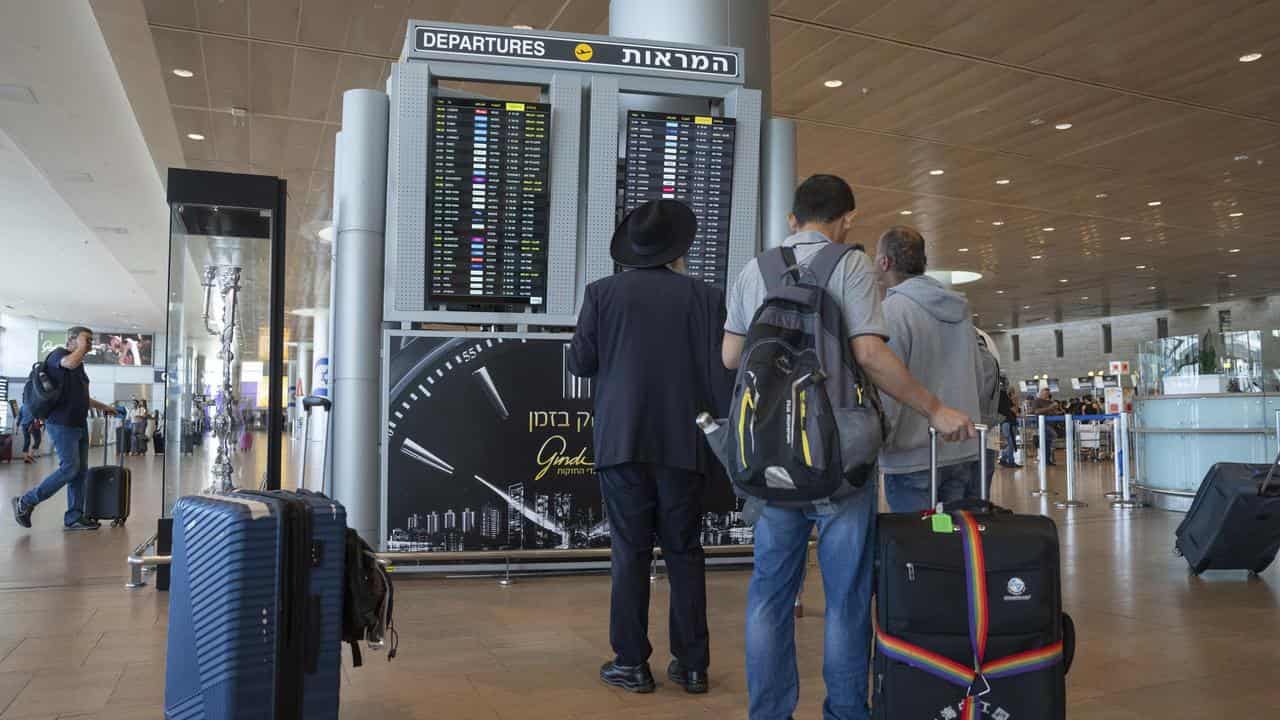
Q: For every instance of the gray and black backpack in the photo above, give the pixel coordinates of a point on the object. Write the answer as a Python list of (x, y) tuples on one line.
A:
[(805, 420)]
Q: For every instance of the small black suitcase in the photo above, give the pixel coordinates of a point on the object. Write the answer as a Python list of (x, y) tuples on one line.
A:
[(1234, 522), (974, 586), (107, 492), (158, 441)]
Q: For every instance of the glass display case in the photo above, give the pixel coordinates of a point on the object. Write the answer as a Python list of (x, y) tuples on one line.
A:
[(225, 340), (1204, 399)]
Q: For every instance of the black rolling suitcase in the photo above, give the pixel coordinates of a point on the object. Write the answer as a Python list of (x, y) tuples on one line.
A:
[(158, 441), (1234, 522), (975, 586), (107, 492)]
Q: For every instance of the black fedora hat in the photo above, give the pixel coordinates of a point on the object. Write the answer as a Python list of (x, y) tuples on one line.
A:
[(654, 234)]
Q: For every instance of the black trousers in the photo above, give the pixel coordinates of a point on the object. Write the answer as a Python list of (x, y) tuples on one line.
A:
[(642, 500)]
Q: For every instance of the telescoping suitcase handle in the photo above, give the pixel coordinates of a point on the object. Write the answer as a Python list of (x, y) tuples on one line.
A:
[(1271, 471), (982, 464)]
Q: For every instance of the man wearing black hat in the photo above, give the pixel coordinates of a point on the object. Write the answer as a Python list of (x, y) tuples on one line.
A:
[(651, 336)]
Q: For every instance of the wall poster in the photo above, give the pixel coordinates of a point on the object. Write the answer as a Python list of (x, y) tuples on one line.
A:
[(488, 447), (109, 348)]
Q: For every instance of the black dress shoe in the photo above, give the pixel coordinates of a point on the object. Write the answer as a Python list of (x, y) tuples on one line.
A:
[(694, 682), (634, 678)]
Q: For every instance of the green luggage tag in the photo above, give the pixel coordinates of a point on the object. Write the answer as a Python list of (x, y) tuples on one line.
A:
[(942, 523)]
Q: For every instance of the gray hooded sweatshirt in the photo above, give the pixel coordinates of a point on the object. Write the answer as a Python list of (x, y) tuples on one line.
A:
[(930, 330)]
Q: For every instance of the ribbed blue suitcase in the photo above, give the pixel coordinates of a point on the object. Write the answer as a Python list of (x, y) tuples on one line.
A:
[(255, 607)]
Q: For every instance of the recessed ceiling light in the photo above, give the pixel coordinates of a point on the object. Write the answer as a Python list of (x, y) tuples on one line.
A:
[(1126, 237), (1037, 257), (905, 212), (1151, 287), (1102, 196), (1234, 250), (1139, 267), (194, 136), (1084, 297), (962, 249), (937, 171), (522, 27), (1155, 203), (1235, 214), (833, 83), (1233, 275), (1063, 280), (1251, 57), (1048, 229), (1003, 181), (997, 223), (1037, 121), (1026, 307), (999, 324), (999, 292), (1063, 126), (183, 73)]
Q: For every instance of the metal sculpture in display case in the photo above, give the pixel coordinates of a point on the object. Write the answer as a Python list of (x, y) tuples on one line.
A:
[(227, 280)]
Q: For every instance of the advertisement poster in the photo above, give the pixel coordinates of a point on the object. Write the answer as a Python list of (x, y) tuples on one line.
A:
[(109, 348), (489, 448)]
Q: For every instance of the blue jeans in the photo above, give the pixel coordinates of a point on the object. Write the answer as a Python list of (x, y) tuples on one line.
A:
[(909, 492), (72, 446), (846, 533), (1011, 442)]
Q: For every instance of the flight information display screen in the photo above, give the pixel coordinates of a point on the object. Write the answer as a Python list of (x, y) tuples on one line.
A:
[(488, 204), (687, 158)]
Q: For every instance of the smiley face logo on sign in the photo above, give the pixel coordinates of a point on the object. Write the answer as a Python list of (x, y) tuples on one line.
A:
[(584, 52)]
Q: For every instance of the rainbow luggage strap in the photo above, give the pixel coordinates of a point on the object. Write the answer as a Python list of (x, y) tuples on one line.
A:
[(975, 680)]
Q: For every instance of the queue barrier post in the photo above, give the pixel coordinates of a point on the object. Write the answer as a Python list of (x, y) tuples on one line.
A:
[(1071, 501), (1126, 500), (1044, 455), (1115, 459), (933, 468), (507, 580), (984, 490)]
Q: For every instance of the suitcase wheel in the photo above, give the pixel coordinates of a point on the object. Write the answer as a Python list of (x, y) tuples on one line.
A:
[(1200, 568), (118, 522)]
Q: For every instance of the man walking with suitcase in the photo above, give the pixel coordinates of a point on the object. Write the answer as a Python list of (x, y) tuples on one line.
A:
[(68, 428), (649, 335), (930, 330), (823, 213)]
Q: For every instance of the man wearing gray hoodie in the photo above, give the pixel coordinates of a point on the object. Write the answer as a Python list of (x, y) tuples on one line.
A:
[(930, 330)]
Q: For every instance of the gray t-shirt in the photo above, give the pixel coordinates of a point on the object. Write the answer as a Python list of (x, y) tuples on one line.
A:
[(853, 285)]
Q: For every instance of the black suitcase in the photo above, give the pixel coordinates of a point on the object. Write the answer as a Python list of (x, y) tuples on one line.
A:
[(974, 586), (158, 441), (1234, 522), (6, 447), (124, 440), (140, 444), (107, 492)]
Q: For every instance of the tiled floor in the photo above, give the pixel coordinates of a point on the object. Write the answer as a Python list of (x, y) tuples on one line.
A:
[(1154, 641)]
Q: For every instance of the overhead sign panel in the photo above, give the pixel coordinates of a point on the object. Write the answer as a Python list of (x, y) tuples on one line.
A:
[(587, 52)]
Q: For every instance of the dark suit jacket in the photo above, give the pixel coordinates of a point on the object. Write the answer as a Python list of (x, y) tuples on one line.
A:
[(652, 337)]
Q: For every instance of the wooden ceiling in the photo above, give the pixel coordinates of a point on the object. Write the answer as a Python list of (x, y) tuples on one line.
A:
[(1160, 106)]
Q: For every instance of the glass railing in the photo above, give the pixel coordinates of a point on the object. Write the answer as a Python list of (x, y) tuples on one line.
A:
[(1243, 361)]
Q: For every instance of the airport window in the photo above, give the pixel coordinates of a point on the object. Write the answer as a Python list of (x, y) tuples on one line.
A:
[(1017, 349), (1106, 338), (1057, 340), (1162, 328)]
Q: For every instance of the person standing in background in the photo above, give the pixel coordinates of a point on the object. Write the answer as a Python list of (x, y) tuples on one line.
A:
[(649, 336), (139, 427), (32, 433)]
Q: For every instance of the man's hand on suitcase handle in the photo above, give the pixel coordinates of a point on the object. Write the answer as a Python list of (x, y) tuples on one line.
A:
[(952, 425)]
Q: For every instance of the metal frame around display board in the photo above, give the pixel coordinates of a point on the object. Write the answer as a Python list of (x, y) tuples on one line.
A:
[(473, 413), (571, 262)]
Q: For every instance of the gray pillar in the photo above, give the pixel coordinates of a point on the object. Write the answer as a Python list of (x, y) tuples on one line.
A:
[(357, 308), (732, 23), (778, 180)]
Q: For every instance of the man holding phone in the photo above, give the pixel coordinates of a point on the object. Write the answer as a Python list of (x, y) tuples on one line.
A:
[(68, 428)]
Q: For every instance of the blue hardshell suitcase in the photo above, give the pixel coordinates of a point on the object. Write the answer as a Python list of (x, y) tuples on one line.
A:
[(255, 607)]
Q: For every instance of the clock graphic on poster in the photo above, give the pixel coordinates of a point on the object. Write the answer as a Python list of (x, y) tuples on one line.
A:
[(489, 446)]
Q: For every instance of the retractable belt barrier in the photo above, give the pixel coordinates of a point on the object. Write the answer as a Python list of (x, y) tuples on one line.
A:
[(975, 679)]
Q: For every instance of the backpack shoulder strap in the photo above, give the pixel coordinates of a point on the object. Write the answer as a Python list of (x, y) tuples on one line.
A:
[(773, 265), (825, 262)]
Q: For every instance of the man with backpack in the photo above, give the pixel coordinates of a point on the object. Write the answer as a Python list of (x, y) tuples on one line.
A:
[(68, 428), (649, 336), (930, 329), (818, 254)]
